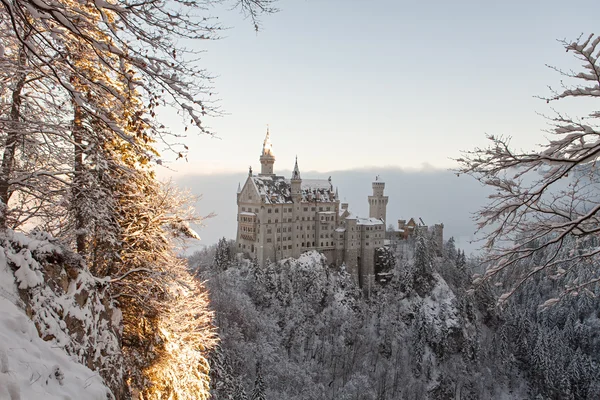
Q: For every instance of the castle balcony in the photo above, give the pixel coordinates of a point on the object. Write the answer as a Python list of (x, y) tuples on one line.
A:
[(248, 225)]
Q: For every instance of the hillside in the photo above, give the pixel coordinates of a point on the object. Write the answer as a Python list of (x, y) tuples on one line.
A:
[(299, 329), (70, 324)]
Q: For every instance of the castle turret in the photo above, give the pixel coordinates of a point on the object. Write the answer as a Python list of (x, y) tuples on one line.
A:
[(267, 158), (296, 184), (378, 202)]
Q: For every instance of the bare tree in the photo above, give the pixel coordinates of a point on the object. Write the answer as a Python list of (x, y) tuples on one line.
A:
[(549, 196), (78, 51)]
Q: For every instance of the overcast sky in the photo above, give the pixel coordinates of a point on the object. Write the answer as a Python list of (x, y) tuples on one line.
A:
[(357, 83), (399, 87)]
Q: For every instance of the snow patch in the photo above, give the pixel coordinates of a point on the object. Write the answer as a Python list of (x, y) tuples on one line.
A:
[(33, 369)]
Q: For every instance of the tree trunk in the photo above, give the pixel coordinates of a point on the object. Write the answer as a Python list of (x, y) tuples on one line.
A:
[(12, 138), (78, 180)]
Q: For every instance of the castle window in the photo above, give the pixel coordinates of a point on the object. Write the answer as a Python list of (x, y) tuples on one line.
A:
[(302, 218), (320, 208), (328, 208), (243, 208), (313, 244), (312, 209), (269, 221), (256, 210), (367, 243), (290, 247), (305, 208), (276, 220), (277, 210), (278, 230), (268, 231), (269, 211)]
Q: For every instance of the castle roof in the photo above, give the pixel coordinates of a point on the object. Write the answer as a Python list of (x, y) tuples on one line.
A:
[(277, 190), (367, 221)]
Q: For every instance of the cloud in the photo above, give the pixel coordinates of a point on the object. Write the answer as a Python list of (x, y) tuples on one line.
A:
[(434, 195)]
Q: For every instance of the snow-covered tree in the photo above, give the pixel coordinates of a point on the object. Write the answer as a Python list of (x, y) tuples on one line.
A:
[(422, 268), (223, 254), (546, 195), (258, 393)]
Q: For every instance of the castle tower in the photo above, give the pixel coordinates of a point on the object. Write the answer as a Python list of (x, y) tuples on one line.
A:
[(267, 159), (378, 202), (296, 184)]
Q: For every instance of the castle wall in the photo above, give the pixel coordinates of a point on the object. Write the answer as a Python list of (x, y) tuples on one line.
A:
[(351, 248), (287, 229)]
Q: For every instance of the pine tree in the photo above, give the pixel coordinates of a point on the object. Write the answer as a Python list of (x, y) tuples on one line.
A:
[(240, 392), (222, 259), (423, 264), (259, 386)]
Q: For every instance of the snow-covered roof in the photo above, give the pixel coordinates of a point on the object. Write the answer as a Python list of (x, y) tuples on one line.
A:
[(368, 221), (247, 213), (277, 190), (340, 229)]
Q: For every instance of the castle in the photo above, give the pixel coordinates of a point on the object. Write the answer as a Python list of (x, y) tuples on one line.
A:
[(280, 218)]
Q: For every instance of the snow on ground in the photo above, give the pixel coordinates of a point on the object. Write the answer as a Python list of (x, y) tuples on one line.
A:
[(31, 368)]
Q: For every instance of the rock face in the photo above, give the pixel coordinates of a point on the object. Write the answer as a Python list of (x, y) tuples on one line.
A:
[(69, 307)]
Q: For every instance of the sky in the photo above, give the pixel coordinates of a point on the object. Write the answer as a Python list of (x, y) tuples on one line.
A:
[(381, 83), (397, 88)]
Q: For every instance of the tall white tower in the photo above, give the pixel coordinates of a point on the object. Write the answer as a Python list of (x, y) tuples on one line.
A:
[(378, 202), (267, 158)]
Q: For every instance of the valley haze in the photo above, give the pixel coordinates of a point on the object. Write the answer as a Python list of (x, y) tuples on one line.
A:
[(435, 195)]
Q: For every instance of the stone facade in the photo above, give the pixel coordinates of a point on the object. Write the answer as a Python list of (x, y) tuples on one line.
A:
[(280, 218)]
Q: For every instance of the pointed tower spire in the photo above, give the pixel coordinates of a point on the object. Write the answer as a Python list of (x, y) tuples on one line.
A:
[(296, 184), (267, 146), (296, 172), (239, 188), (337, 196), (267, 158)]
